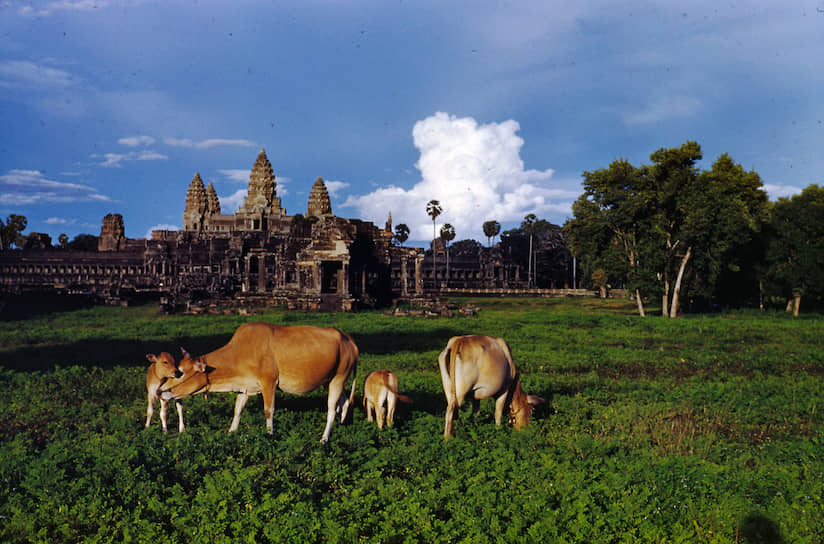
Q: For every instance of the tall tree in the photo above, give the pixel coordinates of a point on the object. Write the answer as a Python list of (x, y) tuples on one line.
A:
[(796, 247), (673, 179), (725, 222), (528, 225), (11, 231), (610, 223), (401, 233), (433, 210), (447, 235), (491, 230), (63, 240)]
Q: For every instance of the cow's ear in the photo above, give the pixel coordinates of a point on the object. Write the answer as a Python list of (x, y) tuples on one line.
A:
[(534, 400), (185, 353), (151, 357), (200, 366)]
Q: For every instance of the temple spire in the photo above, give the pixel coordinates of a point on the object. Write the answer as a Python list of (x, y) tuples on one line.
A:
[(262, 194), (196, 204), (319, 203), (212, 200)]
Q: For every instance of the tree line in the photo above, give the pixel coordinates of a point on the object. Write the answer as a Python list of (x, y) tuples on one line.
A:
[(669, 232), (672, 232)]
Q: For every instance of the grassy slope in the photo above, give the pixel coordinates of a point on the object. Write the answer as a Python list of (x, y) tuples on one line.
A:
[(703, 429)]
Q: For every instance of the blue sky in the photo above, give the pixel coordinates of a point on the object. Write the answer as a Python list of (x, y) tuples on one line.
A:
[(495, 108)]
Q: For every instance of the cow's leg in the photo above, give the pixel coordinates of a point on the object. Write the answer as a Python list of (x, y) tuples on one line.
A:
[(149, 410), (449, 423), (391, 400), (333, 404), (240, 402), (370, 407), (179, 407), (269, 406), (500, 402), (163, 403)]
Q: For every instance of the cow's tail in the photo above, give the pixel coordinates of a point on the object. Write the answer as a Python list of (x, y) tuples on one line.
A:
[(392, 384)]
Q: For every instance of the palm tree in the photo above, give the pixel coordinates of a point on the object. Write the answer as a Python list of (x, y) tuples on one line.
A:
[(447, 235), (529, 226), (401, 233), (491, 230), (433, 209)]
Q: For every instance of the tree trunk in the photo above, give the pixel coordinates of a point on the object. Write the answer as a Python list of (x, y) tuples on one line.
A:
[(665, 296), (677, 289), (640, 303), (796, 304)]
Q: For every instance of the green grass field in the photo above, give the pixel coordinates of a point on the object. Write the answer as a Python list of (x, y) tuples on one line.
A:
[(701, 429)]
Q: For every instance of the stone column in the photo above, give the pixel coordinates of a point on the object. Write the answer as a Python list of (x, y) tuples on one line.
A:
[(419, 274), (404, 277)]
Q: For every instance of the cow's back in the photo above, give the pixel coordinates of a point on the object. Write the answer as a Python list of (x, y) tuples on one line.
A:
[(483, 365), (303, 357)]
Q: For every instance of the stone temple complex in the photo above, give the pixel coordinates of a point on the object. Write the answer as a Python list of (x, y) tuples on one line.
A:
[(315, 260)]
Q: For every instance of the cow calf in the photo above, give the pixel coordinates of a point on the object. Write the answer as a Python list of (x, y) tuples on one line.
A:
[(381, 388)]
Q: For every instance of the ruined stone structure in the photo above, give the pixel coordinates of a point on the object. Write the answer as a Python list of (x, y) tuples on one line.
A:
[(317, 260), (312, 261)]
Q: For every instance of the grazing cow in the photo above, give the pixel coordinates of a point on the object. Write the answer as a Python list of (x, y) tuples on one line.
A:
[(381, 387), (262, 357), (482, 367), (162, 369)]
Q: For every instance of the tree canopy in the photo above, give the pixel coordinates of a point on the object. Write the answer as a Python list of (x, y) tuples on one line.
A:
[(795, 252), (666, 227), (11, 231)]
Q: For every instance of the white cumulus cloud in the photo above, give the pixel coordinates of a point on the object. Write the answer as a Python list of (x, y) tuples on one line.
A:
[(230, 204), (475, 171)]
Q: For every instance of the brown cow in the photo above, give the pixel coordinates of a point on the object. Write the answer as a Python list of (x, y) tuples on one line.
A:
[(381, 387), (262, 357), (482, 367), (162, 369)]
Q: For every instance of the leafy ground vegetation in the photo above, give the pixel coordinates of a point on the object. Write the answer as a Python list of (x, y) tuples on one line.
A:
[(701, 429)]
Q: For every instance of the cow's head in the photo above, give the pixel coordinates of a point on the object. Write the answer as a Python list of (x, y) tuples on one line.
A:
[(521, 405), (164, 365), (191, 380)]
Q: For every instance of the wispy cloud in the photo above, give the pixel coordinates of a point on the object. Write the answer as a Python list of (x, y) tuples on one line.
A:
[(335, 187), (31, 187), (659, 111), (207, 144), (27, 74), (115, 160), (135, 141), (236, 174), (60, 221), (62, 5)]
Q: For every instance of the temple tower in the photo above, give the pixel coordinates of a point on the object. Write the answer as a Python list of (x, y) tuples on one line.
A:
[(212, 201), (112, 233), (196, 204), (319, 203), (262, 196)]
